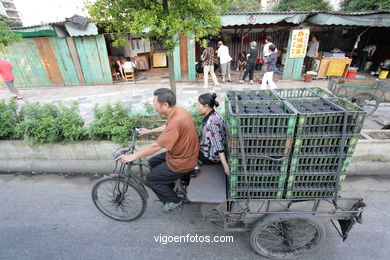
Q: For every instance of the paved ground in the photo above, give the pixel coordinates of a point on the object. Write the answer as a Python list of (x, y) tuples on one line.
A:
[(53, 217), (142, 91)]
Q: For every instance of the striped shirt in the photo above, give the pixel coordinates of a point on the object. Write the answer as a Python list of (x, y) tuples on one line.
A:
[(213, 137)]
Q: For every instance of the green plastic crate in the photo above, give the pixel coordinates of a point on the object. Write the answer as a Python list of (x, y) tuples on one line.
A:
[(258, 165), (311, 194), (257, 124), (251, 95), (243, 194), (317, 164), (314, 181), (288, 93), (322, 92), (257, 181), (326, 145), (253, 146), (356, 115), (326, 123)]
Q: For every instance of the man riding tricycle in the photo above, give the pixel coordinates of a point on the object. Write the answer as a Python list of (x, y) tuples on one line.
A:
[(257, 174)]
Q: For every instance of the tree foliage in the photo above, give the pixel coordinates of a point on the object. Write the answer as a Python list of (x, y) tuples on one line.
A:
[(365, 5), (303, 5), (161, 19), (7, 36), (9, 22), (244, 6)]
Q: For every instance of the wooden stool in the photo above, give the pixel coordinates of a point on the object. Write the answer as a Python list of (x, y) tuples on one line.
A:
[(129, 75)]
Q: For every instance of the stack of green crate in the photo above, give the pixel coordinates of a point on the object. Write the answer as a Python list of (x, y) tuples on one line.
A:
[(326, 135), (260, 131)]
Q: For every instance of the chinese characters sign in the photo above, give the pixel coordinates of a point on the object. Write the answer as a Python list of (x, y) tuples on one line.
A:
[(299, 43)]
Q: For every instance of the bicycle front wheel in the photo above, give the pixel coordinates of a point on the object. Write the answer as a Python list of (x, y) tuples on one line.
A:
[(119, 199)]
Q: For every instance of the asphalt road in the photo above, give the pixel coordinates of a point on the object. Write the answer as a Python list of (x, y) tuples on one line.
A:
[(53, 217)]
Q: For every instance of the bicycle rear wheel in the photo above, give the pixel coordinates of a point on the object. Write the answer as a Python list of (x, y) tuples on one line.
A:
[(286, 236), (119, 199)]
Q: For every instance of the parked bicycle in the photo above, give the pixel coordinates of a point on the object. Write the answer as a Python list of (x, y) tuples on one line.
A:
[(367, 94)]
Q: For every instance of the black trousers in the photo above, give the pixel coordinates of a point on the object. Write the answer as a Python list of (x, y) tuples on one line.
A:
[(363, 60), (308, 62), (205, 160), (250, 69), (161, 179)]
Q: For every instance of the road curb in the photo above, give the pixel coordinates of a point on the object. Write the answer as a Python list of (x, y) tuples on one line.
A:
[(372, 156)]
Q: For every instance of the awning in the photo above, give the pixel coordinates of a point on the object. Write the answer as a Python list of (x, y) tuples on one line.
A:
[(36, 31), (371, 20), (247, 19)]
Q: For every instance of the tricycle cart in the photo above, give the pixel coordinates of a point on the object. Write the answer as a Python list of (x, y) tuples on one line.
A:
[(289, 151), (364, 93), (279, 228)]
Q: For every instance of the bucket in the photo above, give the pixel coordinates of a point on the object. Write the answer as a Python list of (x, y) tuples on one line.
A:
[(351, 74), (308, 78), (383, 74)]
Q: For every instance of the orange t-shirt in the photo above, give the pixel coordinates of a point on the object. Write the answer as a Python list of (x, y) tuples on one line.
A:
[(181, 141)]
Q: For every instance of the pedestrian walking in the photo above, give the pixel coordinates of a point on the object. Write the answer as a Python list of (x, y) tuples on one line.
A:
[(225, 59), (208, 65), (8, 78), (271, 64), (250, 64)]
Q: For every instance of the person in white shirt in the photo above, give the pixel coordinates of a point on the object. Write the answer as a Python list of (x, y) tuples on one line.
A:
[(130, 65), (225, 59), (266, 50)]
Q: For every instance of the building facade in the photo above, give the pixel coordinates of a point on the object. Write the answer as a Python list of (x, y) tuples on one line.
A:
[(8, 8)]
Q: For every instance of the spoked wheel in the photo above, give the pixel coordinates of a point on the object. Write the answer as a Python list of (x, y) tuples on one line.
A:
[(282, 236), (119, 200), (366, 100)]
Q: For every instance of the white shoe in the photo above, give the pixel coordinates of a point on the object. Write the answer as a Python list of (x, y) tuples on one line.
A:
[(240, 82), (204, 86)]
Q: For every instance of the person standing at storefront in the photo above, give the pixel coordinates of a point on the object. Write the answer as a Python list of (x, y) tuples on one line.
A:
[(312, 52), (367, 54), (250, 64), (225, 59), (268, 42)]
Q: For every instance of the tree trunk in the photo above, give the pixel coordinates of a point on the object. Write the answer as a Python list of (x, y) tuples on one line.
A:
[(171, 73), (170, 58)]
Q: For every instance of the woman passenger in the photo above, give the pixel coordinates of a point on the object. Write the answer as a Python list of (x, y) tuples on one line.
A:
[(213, 138)]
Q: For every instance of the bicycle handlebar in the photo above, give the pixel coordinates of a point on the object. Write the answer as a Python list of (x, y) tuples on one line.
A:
[(125, 150)]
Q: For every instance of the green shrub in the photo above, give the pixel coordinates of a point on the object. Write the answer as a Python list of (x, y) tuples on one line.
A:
[(8, 119), (113, 122), (197, 118), (149, 108), (49, 123)]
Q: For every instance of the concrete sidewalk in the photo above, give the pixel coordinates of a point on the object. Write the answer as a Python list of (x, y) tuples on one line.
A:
[(134, 93), (142, 91)]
